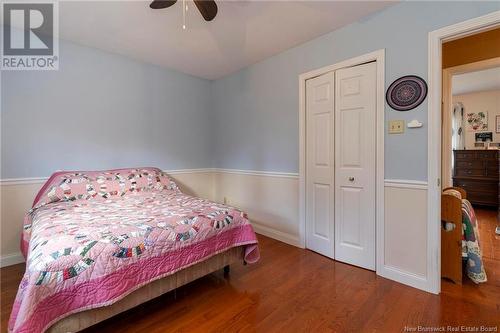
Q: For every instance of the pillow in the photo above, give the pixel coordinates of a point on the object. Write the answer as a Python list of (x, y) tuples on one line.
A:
[(103, 184)]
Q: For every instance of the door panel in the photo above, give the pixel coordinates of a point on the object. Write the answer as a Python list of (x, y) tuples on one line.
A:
[(322, 139), (319, 166), (355, 151), (351, 127), (321, 213), (350, 205)]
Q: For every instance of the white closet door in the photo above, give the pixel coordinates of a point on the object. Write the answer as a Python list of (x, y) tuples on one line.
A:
[(320, 164), (355, 152)]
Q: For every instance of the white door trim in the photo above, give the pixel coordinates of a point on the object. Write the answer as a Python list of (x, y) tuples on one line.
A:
[(436, 38), (379, 57)]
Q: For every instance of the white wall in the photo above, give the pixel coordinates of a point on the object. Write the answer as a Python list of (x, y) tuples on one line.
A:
[(480, 101)]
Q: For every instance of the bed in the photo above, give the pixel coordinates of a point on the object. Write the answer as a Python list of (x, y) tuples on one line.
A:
[(460, 238), (101, 242)]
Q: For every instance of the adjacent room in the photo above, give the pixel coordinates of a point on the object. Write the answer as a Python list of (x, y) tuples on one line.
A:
[(470, 143), (249, 166)]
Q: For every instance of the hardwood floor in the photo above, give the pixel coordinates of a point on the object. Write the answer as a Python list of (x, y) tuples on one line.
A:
[(490, 242), (295, 290)]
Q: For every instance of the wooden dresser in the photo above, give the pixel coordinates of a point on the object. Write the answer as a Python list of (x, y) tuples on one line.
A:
[(476, 171)]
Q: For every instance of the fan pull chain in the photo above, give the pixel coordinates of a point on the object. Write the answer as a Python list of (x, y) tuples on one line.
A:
[(184, 9)]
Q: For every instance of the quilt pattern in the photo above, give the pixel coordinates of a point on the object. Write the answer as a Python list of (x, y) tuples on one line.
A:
[(471, 251), (87, 227)]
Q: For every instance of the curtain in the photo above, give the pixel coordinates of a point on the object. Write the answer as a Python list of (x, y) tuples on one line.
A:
[(457, 129)]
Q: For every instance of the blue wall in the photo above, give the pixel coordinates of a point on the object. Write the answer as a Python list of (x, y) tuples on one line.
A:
[(256, 109), (101, 110)]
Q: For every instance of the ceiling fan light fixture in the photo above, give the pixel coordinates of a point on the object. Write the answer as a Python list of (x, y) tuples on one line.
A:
[(208, 8)]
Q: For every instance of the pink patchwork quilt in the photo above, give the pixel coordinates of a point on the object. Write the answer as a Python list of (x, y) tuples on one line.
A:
[(92, 238)]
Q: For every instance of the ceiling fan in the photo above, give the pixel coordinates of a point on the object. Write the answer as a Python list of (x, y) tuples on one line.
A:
[(207, 8)]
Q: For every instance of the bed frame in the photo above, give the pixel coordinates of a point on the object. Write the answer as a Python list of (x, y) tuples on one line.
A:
[(451, 241), (81, 320)]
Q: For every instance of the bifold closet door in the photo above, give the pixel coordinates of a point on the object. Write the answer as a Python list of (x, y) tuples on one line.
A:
[(320, 190), (355, 165)]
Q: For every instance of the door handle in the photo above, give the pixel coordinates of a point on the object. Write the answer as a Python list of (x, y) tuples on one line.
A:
[(351, 179)]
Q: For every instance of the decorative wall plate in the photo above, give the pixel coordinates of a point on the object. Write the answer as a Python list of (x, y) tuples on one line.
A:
[(406, 93)]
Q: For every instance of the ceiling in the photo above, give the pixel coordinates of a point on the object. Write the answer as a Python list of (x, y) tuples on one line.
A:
[(244, 32), (484, 80)]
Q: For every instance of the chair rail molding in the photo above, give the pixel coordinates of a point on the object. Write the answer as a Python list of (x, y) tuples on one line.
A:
[(405, 183), (40, 180)]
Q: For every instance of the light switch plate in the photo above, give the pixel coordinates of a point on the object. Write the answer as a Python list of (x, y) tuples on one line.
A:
[(396, 126)]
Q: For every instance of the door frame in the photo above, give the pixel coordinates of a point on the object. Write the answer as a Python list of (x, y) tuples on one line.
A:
[(379, 57), (435, 40)]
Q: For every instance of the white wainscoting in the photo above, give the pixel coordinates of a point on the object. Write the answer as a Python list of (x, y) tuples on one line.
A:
[(271, 200), (16, 199), (405, 233)]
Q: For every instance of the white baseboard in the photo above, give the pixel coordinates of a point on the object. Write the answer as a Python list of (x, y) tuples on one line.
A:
[(404, 277), (276, 234), (11, 259)]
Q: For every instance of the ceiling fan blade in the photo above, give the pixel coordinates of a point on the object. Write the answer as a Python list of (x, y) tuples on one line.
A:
[(207, 8), (160, 4)]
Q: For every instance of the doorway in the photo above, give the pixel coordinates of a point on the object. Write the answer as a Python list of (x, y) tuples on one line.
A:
[(470, 165), (435, 99)]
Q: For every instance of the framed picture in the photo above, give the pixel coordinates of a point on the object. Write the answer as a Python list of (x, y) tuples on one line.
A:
[(497, 124), (477, 121)]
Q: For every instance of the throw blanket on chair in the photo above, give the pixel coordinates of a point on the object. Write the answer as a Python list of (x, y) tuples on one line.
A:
[(470, 244)]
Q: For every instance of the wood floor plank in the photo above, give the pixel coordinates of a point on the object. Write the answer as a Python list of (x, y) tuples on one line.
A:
[(296, 290)]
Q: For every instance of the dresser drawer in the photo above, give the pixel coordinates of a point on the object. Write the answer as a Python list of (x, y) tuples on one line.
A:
[(492, 173), (491, 164), (465, 155), (482, 198), (463, 164), (476, 171), (470, 172), (476, 185), (487, 154)]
